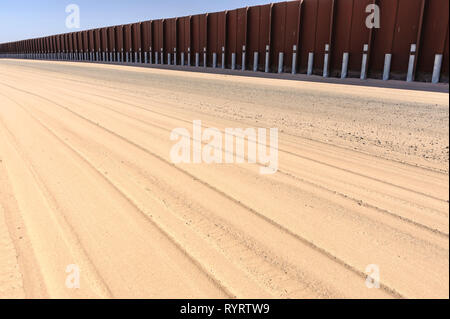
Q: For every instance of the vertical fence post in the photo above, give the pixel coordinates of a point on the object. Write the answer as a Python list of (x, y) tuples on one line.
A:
[(243, 58), (214, 60), (255, 61), (326, 61), (233, 61), (223, 57), (412, 57), (189, 56), (205, 64), (364, 62), (280, 62), (174, 56), (310, 63), (437, 68), (267, 67), (344, 65), (387, 66), (294, 59)]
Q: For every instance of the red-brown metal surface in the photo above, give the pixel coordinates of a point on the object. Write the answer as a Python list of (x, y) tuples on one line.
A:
[(119, 38), (199, 40), (65, 46), (307, 32), (285, 32), (315, 32), (52, 44), (340, 43), (112, 39), (359, 36), (434, 36), (405, 33), (350, 34), (398, 30), (324, 24), (158, 35), (91, 40), (136, 32), (184, 34), (259, 25), (85, 42), (170, 36), (79, 39), (216, 34), (146, 36), (97, 40), (128, 38), (309, 24), (70, 43), (62, 44), (445, 62), (104, 40), (236, 35)]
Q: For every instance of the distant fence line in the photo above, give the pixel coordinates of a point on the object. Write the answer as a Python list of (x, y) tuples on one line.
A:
[(322, 37)]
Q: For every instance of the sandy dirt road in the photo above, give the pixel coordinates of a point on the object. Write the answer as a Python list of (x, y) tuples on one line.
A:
[(86, 179)]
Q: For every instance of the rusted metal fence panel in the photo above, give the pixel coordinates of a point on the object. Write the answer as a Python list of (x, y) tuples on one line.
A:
[(91, 42), (340, 42), (80, 38), (398, 30), (104, 40), (315, 33), (445, 62), (285, 34), (52, 44), (184, 38), (128, 40), (85, 42), (236, 36), (308, 29), (97, 41), (258, 28), (158, 40), (304, 28), (216, 40), (199, 24), (62, 43), (112, 40), (406, 32), (57, 40), (71, 43), (146, 35), (349, 36), (137, 45), (170, 39), (119, 39), (360, 35), (433, 39)]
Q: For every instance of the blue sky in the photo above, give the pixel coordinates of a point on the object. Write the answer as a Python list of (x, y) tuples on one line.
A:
[(25, 19)]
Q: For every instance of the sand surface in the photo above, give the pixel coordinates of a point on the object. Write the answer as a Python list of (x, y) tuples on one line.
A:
[(86, 179)]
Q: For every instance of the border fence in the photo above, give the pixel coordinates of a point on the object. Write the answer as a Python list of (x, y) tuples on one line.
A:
[(331, 38)]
